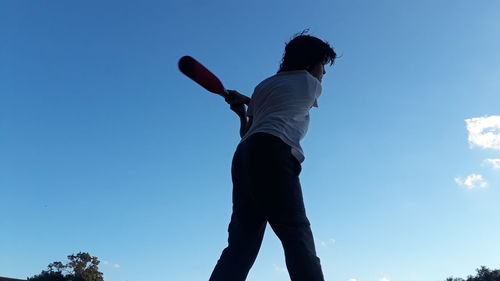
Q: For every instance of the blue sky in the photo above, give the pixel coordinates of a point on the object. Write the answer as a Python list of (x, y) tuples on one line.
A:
[(106, 148)]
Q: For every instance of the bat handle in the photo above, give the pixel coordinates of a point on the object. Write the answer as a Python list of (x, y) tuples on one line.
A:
[(226, 95)]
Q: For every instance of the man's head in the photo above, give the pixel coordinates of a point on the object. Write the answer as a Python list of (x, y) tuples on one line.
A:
[(308, 53)]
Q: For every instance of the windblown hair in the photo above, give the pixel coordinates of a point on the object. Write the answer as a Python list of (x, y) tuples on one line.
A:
[(304, 51)]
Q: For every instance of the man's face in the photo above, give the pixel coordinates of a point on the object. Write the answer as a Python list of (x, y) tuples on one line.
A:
[(317, 70)]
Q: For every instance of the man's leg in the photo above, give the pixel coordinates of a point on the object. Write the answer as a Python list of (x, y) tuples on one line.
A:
[(280, 194), (246, 228), (245, 239), (289, 222)]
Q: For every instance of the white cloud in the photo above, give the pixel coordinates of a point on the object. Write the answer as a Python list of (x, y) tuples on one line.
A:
[(280, 269), (384, 279), (484, 132), (114, 265), (495, 163), (472, 181), (327, 243), (352, 279)]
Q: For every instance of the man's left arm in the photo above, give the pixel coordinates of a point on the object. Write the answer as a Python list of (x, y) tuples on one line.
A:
[(237, 103)]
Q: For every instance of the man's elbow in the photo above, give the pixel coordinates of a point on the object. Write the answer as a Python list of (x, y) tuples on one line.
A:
[(249, 124)]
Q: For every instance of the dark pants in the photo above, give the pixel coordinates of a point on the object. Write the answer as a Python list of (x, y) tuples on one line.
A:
[(266, 188)]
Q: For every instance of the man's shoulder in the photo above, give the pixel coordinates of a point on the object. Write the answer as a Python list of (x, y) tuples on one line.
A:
[(289, 81), (287, 76), (266, 80)]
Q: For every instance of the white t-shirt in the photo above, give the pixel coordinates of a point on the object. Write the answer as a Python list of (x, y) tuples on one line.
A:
[(280, 106)]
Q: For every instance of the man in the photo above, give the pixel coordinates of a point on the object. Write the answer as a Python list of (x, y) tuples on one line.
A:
[(267, 163)]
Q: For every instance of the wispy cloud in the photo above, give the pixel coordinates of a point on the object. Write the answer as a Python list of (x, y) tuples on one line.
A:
[(495, 163), (280, 269), (113, 265), (384, 279), (484, 132), (472, 181), (352, 279), (327, 243)]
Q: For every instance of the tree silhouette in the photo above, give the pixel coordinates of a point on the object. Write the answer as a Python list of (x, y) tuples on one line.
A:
[(81, 267), (483, 274)]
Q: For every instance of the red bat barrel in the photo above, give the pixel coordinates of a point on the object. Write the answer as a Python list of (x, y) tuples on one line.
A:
[(201, 75)]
